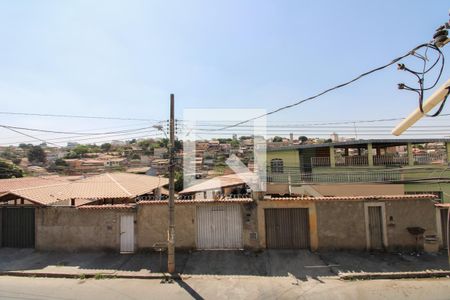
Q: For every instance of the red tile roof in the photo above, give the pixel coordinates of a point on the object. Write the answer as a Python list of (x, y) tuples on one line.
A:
[(7, 185), (357, 198), (108, 206), (197, 201), (104, 186)]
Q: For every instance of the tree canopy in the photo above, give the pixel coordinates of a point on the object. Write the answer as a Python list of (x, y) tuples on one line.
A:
[(36, 155), (8, 170)]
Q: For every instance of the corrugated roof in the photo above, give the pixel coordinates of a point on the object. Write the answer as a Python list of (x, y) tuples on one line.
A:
[(104, 186), (220, 182), (357, 198), (197, 201)]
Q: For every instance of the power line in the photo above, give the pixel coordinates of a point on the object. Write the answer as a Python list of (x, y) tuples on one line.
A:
[(73, 132), (77, 116), (395, 60)]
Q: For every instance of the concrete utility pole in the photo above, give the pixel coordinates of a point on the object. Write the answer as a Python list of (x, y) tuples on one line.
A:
[(171, 231)]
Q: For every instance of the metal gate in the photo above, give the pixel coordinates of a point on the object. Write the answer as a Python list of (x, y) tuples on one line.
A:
[(375, 227), (219, 227), (444, 226), (17, 227), (287, 228), (127, 234)]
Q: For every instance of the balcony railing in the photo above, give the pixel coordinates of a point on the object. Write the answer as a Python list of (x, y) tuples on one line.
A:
[(388, 160), (427, 159), (380, 160), (339, 177)]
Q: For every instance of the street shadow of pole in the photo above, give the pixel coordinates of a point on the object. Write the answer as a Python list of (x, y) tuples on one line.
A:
[(189, 289)]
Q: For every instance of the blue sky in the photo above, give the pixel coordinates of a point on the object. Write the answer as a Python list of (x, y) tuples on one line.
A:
[(124, 58)]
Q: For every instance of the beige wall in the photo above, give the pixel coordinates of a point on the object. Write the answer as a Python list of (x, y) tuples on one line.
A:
[(153, 222), (71, 229), (342, 224), (409, 213)]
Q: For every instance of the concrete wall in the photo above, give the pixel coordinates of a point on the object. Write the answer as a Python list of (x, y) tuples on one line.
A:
[(291, 158), (71, 229), (153, 221), (408, 213), (342, 224)]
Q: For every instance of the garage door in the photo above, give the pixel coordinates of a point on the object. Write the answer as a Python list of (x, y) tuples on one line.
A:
[(17, 227), (287, 228), (219, 227)]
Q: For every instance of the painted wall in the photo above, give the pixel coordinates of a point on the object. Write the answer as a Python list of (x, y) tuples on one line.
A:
[(71, 229), (290, 158)]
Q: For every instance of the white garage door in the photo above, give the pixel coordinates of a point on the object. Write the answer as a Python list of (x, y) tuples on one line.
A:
[(219, 227)]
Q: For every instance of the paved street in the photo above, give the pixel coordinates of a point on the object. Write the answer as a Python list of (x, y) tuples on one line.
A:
[(221, 288)]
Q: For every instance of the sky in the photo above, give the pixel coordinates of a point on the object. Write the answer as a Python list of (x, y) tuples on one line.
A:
[(124, 58)]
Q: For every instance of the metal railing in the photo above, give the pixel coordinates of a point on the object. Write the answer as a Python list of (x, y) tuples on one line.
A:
[(389, 160), (427, 159), (338, 177), (380, 160)]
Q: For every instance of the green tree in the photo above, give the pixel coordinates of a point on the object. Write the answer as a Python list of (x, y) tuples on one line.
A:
[(178, 181), (302, 139), (8, 170), (36, 155), (234, 144), (277, 139), (106, 147)]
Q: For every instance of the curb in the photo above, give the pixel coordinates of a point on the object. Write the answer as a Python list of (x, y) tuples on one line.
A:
[(394, 275), (89, 275)]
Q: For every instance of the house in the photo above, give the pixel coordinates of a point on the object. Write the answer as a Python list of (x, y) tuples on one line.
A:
[(361, 162), (124, 212), (160, 152), (95, 213), (159, 167)]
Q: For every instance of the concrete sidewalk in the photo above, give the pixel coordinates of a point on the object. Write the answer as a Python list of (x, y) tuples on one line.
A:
[(299, 264)]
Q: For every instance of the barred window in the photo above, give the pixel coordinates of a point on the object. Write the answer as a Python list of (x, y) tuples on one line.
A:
[(277, 165)]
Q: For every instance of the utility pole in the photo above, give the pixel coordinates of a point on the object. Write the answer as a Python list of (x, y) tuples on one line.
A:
[(171, 231)]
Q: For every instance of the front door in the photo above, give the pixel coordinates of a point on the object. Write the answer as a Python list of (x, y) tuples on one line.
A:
[(127, 234), (444, 226), (375, 228)]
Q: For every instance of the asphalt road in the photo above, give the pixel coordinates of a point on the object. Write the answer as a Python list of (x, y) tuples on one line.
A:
[(224, 287)]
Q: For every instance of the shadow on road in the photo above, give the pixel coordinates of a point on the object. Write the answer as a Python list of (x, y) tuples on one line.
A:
[(300, 265)]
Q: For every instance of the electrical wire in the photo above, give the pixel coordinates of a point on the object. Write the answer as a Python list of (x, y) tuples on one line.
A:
[(395, 60), (77, 116)]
